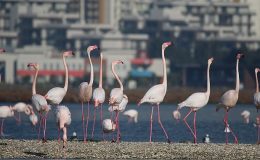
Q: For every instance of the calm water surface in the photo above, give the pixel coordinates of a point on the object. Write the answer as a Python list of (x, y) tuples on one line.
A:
[(208, 122)]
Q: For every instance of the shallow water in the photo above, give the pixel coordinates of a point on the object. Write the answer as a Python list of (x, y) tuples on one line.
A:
[(208, 122)]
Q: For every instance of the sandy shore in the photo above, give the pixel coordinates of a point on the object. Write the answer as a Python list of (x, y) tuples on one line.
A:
[(126, 150)]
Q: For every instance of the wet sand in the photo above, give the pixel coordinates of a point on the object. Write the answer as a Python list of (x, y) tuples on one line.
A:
[(126, 150)]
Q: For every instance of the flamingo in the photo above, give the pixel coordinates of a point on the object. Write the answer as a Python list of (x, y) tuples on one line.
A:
[(156, 94), (229, 100), (116, 96), (108, 126), (33, 119), (119, 108), (195, 102), (98, 97), (63, 119), (56, 94), (132, 114), (245, 115), (2, 50), (22, 107), (85, 92), (257, 101), (5, 112), (39, 102)]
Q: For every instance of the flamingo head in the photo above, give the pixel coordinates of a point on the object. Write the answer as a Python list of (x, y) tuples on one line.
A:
[(166, 44), (257, 70), (68, 53), (91, 48), (34, 65), (240, 55), (117, 62), (2, 50), (210, 60)]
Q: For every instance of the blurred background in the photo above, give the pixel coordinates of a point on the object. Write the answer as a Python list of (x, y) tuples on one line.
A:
[(133, 31)]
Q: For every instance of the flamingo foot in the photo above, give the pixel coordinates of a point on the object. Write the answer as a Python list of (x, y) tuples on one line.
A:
[(44, 140), (168, 141)]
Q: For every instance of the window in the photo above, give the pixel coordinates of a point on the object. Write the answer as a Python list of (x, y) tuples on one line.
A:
[(225, 20)]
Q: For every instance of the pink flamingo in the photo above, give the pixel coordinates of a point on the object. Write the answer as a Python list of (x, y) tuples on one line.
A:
[(257, 101), (118, 108), (156, 94), (195, 102), (5, 112), (99, 98), (63, 119), (116, 95), (229, 100), (39, 102), (85, 92), (22, 107), (56, 94)]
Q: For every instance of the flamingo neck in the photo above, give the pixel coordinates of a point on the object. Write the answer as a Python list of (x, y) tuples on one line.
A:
[(66, 74), (164, 70), (257, 85), (237, 76), (100, 73), (91, 70), (208, 81), (34, 82), (116, 76)]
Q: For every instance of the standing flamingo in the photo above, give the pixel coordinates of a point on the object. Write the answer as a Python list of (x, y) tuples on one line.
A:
[(2, 50), (56, 94), (116, 95), (63, 119), (257, 101), (118, 108), (5, 112), (156, 94), (85, 92), (195, 102), (229, 100), (99, 97), (39, 102)]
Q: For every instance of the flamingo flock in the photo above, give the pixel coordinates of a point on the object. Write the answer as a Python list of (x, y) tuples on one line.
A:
[(118, 101)]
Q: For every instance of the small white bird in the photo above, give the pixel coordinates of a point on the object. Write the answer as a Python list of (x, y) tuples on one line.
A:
[(108, 126), (206, 139), (63, 119), (132, 115), (5, 112), (245, 114)]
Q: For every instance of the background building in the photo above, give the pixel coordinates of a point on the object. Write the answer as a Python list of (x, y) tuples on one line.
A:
[(126, 28)]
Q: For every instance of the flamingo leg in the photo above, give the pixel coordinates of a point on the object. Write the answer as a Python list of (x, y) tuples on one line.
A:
[(93, 126), (118, 129), (235, 137), (194, 124), (111, 117), (83, 125), (40, 125), (151, 124), (258, 134), (184, 119), (101, 119), (44, 132), (87, 122), (58, 133), (2, 128), (159, 121), (226, 126)]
